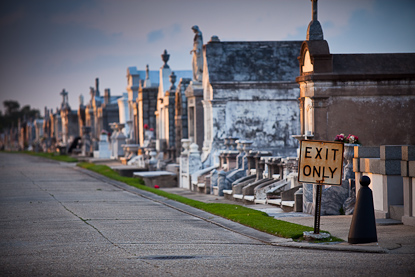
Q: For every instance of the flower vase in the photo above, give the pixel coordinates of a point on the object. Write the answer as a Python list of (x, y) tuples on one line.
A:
[(149, 134), (348, 160)]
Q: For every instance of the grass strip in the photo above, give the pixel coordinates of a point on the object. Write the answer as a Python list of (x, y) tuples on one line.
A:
[(246, 216), (53, 156)]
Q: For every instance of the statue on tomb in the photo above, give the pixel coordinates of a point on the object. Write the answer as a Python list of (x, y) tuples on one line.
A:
[(197, 51), (92, 93), (65, 101), (147, 82), (96, 87)]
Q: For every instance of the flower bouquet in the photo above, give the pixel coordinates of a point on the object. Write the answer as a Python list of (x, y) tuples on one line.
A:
[(349, 139)]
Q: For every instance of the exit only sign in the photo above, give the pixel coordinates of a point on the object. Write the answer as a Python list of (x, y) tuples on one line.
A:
[(321, 162)]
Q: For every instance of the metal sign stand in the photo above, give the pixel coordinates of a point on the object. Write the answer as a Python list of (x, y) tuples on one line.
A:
[(317, 210)]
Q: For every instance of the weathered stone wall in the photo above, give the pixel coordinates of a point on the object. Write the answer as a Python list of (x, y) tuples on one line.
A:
[(250, 93), (110, 114), (268, 115), (378, 112), (147, 105), (181, 115), (252, 61), (73, 124)]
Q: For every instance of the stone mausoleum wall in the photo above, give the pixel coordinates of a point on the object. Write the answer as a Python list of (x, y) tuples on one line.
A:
[(250, 92)]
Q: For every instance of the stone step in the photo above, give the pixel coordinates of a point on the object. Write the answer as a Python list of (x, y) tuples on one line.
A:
[(288, 203), (287, 206), (274, 201), (238, 196), (260, 201), (396, 212), (227, 193), (249, 199)]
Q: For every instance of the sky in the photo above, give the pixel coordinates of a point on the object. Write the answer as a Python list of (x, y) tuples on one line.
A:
[(50, 45)]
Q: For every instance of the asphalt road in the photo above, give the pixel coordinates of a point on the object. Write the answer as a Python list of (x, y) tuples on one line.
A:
[(56, 220)]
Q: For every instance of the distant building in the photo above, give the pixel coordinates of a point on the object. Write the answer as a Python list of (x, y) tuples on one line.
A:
[(142, 100), (165, 114), (101, 111)]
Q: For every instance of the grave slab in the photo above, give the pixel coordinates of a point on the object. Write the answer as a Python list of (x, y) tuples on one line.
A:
[(163, 179)]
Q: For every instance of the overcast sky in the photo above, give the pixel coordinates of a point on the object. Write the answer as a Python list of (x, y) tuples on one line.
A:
[(48, 45)]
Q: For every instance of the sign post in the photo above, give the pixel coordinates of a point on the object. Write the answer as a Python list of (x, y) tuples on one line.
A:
[(317, 210), (321, 163)]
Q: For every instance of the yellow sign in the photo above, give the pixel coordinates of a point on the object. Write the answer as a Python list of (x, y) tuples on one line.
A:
[(321, 162)]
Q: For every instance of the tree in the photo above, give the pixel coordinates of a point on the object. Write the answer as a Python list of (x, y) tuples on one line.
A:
[(11, 107), (26, 112), (13, 114)]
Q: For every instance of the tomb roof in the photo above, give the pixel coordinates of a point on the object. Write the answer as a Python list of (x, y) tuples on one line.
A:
[(182, 74), (132, 70), (253, 61), (153, 74), (114, 99), (391, 63), (325, 65)]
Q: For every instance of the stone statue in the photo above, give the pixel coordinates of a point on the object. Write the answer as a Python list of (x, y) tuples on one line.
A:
[(147, 81), (197, 51), (65, 101), (92, 93)]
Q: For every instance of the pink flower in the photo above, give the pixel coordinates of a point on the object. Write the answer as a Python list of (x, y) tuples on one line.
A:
[(151, 129), (339, 137), (146, 126), (352, 139)]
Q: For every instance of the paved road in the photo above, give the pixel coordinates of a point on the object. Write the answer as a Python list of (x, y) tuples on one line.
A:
[(58, 220)]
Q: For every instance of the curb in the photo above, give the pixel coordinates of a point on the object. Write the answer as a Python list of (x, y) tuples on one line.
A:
[(343, 246)]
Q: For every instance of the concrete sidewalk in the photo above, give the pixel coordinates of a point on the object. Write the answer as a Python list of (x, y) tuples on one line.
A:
[(393, 237)]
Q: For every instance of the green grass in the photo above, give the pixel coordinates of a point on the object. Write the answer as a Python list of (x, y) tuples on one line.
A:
[(246, 216), (53, 156)]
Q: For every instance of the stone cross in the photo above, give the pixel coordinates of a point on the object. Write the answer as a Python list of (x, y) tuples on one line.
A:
[(314, 10), (314, 30), (64, 96)]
